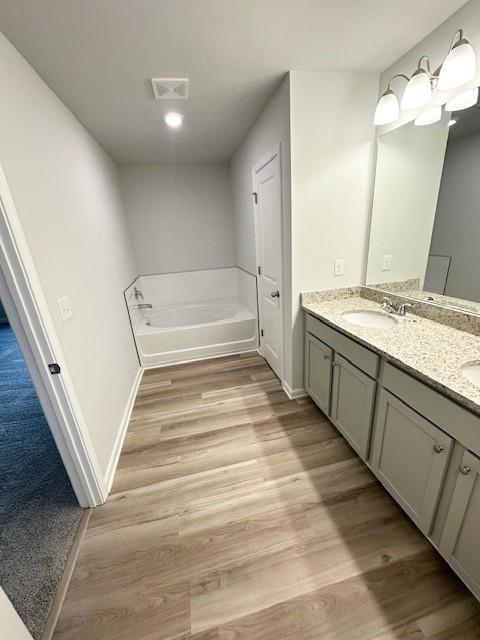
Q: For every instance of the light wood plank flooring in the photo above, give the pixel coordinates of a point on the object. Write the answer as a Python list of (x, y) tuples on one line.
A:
[(239, 514)]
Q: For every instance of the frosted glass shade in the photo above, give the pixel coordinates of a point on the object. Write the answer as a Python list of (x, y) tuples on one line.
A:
[(463, 100), (387, 110), (459, 67), (429, 117), (418, 91)]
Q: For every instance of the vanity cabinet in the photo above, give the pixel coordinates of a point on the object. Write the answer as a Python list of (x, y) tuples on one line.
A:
[(318, 372), (460, 540), (410, 457), (339, 377), (353, 399), (422, 446)]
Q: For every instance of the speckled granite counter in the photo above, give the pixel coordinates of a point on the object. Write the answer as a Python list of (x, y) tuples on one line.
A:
[(432, 352)]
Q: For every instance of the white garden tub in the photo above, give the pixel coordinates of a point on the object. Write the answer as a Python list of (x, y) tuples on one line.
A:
[(193, 314), (187, 332)]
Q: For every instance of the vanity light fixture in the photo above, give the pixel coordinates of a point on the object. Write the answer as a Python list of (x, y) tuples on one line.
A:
[(460, 64), (388, 110), (173, 119), (418, 91), (458, 68), (428, 117), (463, 100)]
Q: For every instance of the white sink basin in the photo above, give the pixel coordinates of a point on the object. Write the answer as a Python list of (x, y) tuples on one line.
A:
[(373, 319), (471, 370)]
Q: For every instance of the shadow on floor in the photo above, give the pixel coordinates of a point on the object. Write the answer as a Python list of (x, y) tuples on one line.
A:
[(39, 513)]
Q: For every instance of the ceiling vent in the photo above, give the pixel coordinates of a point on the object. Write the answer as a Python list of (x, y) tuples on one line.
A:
[(170, 88)]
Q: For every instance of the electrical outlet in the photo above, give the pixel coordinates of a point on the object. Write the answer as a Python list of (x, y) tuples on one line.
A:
[(339, 267), (387, 263), (65, 309)]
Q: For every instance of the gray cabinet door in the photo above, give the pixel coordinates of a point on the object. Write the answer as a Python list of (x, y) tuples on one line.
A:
[(318, 372), (353, 398), (410, 457), (460, 540)]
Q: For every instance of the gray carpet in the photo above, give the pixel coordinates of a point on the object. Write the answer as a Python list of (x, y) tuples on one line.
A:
[(39, 514)]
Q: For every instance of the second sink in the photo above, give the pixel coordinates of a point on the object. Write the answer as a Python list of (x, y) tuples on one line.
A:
[(373, 319), (471, 370)]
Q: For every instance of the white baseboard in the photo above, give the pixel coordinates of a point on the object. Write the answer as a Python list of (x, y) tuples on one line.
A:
[(293, 394), (117, 449)]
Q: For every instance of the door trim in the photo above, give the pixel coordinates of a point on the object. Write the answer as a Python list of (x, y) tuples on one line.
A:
[(275, 151), (29, 316)]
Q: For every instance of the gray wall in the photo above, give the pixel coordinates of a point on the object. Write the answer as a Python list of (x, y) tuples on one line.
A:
[(180, 216), (68, 198), (456, 232)]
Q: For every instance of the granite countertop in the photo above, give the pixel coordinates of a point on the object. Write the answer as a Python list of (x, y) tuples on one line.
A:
[(432, 352)]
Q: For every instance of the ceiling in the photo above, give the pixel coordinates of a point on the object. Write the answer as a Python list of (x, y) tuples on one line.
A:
[(98, 55)]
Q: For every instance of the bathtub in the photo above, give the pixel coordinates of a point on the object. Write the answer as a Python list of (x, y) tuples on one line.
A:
[(181, 332)]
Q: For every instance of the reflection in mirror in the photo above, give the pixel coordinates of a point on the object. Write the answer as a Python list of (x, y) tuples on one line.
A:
[(425, 229)]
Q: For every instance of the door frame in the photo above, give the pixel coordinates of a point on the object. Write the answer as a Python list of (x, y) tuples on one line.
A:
[(27, 311), (257, 167)]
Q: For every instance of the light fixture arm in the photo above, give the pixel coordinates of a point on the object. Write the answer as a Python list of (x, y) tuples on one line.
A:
[(427, 69), (459, 33)]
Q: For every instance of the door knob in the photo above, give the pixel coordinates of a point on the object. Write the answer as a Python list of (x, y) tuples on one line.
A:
[(275, 294)]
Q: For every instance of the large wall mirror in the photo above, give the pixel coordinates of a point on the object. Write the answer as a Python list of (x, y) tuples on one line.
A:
[(425, 230)]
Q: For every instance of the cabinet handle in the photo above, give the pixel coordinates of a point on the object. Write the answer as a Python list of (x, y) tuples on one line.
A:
[(326, 357), (438, 448), (464, 469)]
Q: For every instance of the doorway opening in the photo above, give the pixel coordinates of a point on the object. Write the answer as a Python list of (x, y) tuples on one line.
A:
[(39, 511)]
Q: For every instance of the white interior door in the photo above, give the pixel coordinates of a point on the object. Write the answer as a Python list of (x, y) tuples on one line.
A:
[(268, 212)]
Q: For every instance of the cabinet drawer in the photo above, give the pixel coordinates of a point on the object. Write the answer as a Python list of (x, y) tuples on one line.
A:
[(318, 372), (360, 356), (460, 423), (410, 457)]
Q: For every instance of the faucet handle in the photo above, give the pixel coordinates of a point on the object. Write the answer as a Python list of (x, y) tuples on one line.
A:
[(402, 309)]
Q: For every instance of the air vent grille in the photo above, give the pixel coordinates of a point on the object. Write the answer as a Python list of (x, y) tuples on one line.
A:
[(170, 88)]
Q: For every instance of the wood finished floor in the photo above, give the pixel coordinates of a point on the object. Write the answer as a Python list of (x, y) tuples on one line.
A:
[(237, 513)]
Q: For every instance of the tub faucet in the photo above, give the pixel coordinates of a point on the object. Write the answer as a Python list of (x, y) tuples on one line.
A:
[(144, 305)]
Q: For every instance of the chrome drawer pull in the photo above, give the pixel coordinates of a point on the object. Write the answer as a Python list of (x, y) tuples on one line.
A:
[(464, 469), (438, 448)]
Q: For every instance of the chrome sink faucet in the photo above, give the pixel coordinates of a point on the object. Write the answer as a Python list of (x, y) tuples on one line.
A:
[(401, 310), (137, 293)]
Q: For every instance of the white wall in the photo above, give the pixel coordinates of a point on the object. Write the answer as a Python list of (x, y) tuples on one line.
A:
[(67, 194), (332, 141), (407, 181), (457, 224), (180, 216), (271, 127)]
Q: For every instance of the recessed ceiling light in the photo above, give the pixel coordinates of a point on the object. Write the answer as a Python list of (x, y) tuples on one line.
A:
[(452, 122), (173, 119)]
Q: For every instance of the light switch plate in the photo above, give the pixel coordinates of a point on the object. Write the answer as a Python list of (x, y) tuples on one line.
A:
[(65, 309), (387, 263), (339, 267)]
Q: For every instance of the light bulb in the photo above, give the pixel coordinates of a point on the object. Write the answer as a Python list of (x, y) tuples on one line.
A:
[(429, 117), (459, 66), (452, 122), (463, 100), (173, 119), (418, 91), (387, 110)]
